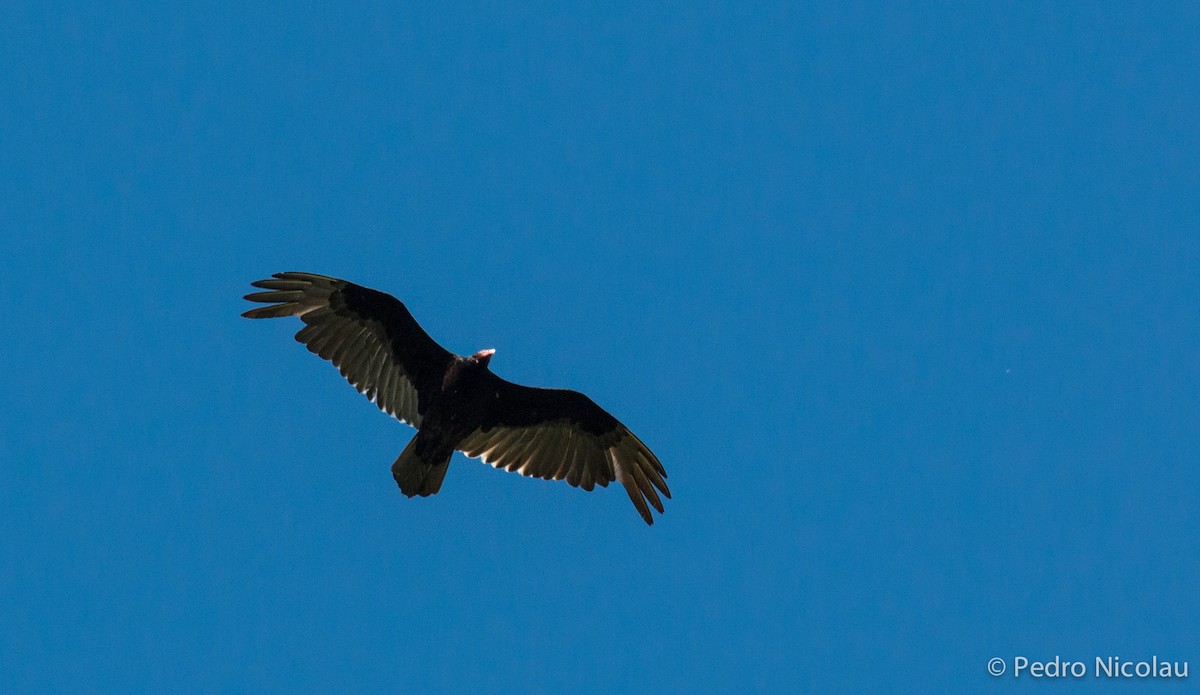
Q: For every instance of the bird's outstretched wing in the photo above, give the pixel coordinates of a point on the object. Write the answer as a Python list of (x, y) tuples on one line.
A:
[(558, 434), (368, 335)]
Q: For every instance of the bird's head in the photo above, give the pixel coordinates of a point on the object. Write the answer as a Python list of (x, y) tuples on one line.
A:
[(483, 357)]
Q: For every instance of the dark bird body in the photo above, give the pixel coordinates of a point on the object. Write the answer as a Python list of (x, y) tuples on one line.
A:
[(457, 403)]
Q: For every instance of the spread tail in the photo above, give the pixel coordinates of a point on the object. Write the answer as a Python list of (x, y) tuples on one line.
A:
[(421, 472)]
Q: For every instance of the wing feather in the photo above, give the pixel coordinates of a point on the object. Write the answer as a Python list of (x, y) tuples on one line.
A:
[(346, 358), (565, 444), (368, 380), (385, 399), (587, 479), (584, 452), (518, 456), (557, 434), (632, 489), (369, 336)]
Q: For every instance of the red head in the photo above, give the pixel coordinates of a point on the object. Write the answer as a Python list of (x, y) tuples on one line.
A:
[(483, 356)]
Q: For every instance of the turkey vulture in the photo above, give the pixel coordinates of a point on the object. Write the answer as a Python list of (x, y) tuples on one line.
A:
[(457, 402)]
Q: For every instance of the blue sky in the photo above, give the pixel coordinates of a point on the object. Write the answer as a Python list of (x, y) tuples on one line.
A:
[(905, 299)]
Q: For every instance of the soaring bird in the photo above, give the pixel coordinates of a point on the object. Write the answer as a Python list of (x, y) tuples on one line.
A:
[(457, 403)]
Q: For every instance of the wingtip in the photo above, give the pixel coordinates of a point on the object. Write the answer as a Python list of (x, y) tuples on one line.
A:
[(644, 511), (633, 490)]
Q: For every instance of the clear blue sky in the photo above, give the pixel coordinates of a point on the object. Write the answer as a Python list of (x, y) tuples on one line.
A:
[(907, 300)]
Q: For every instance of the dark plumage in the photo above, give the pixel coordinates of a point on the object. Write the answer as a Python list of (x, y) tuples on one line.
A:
[(457, 403)]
